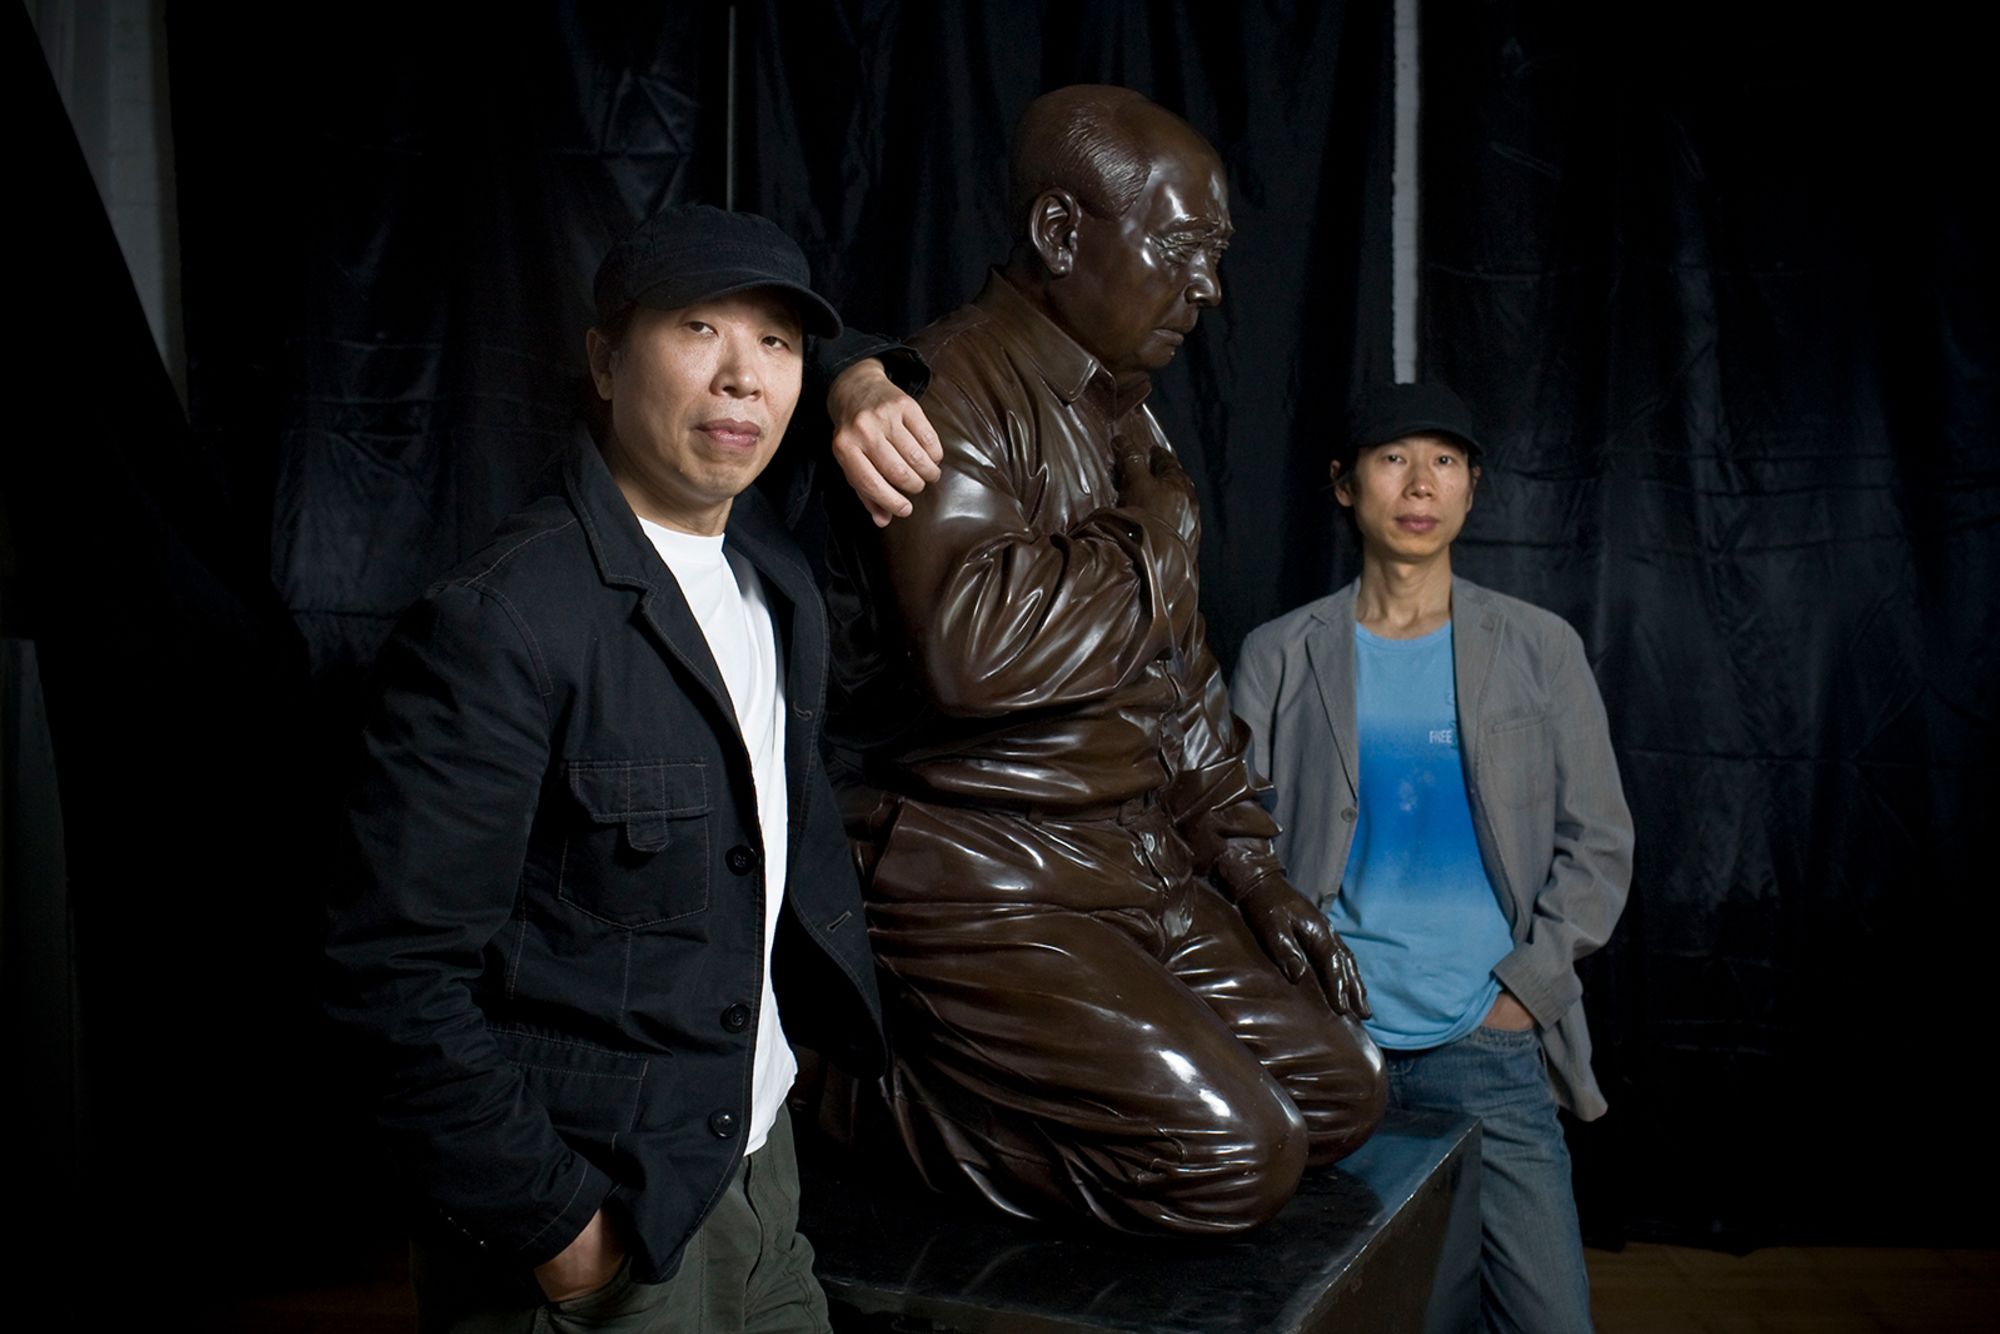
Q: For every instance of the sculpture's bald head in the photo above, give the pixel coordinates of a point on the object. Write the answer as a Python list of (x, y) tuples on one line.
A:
[(1096, 141), (1121, 213)]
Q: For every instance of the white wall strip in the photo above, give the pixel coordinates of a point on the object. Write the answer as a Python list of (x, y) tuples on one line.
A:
[(1403, 205)]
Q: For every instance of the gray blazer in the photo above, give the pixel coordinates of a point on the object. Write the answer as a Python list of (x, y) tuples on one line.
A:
[(1547, 807)]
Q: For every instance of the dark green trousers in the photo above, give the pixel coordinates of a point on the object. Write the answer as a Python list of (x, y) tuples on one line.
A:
[(747, 1271)]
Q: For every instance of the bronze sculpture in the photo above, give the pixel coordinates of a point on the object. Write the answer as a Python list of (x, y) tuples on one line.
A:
[(1104, 998)]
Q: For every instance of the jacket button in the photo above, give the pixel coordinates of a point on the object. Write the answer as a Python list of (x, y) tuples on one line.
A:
[(723, 1124), (741, 860), (1347, 814), (736, 1018)]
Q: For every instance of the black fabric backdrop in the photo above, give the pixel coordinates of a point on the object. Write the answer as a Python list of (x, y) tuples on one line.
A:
[(1741, 437), (390, 222), (1723, 289), (175, 689)]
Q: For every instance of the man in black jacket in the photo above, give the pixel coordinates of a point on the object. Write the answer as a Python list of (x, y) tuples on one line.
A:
[(593, 859)]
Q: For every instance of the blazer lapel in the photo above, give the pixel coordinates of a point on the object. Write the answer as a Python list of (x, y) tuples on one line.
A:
[(1330, 650), (1475, 636), (670, 622), (626, 559)]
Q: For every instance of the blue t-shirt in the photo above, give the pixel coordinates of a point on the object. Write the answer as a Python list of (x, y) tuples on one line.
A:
[(1415, 905)]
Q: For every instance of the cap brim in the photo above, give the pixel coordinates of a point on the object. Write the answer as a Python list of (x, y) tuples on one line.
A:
[(1381, 433), (816, 314)]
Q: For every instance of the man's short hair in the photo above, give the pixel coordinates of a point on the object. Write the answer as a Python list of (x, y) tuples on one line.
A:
[(1081, 139)]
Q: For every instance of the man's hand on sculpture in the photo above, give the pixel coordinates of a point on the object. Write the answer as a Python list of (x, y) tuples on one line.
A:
[(883, 442), (583, 1266), (1297, 938)]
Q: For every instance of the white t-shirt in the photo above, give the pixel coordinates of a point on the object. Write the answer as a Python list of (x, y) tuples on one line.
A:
[(727, 599)]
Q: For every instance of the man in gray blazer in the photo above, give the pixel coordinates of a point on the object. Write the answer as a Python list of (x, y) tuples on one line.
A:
[(1448, 794)]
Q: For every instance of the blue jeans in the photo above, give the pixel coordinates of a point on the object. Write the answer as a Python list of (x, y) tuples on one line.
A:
[(1531, 1274)]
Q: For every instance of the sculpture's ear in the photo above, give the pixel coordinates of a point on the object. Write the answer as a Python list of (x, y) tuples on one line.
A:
[(1052, 223)]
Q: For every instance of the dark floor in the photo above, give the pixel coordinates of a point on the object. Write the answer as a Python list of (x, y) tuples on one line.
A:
[(1643, 1289), (1648, 1289)]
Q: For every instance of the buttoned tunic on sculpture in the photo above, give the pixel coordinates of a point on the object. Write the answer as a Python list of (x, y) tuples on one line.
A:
[(1050, 657)]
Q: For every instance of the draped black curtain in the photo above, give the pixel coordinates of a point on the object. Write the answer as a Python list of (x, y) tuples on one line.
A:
[(394, 214), (174, 1040), (1722, 286)]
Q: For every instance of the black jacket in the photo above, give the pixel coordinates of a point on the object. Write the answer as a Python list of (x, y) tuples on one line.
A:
[(548, 930)]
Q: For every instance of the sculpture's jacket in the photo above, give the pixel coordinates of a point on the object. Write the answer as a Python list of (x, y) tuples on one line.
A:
[(548, 932), (997, 656)]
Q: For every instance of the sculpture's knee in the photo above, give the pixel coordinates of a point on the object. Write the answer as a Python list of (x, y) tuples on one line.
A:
[(1233, 1166), (1345, 1097)]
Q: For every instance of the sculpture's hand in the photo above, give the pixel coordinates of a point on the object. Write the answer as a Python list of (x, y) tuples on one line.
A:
[(1151, 478), (883, 442), (1298, 938)]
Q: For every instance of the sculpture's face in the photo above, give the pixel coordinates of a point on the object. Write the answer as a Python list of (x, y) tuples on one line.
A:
[(1138, 283), (700, 398)]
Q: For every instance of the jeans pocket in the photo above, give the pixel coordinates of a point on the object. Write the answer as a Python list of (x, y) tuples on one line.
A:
[(1506, 1039), (1505, 1072)]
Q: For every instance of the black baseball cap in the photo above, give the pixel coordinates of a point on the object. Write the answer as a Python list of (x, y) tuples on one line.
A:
[(1392, 411), (690, 252)]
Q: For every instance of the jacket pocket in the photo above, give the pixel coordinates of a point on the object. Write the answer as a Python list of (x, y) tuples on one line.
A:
[(586, 1090), (637, 850), (1519, 767)]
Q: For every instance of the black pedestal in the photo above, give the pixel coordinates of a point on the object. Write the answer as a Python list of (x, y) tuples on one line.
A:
[(1387, 1241)]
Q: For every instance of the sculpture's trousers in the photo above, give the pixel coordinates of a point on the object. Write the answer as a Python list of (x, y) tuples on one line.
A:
[(1080, 1026)]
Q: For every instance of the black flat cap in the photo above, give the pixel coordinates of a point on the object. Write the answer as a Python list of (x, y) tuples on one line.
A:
[(1391, 411), (691, 252)]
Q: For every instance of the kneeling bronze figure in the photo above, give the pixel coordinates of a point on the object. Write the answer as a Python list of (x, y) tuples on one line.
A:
[(1104, 998)]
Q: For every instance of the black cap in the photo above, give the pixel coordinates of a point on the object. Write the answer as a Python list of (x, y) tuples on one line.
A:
[(1391, 411), (691, 252)]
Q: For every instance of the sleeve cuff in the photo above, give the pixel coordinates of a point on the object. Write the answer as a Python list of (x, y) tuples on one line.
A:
[(591, 1189), (1547, 998), (905, 367)]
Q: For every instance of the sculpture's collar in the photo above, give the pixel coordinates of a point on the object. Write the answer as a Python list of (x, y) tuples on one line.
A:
[(1061, 362)]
